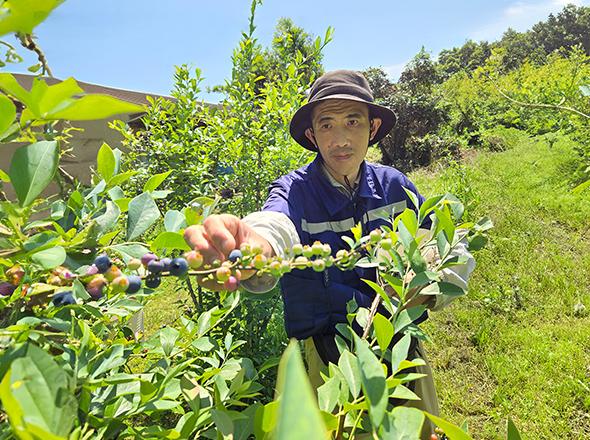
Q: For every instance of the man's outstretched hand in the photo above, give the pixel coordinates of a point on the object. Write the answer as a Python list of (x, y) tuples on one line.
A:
[(217, 237)]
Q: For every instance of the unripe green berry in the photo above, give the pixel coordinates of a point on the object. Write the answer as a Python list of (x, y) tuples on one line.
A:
[(307, 251), (285, 267), (297, 249), (301, 261), (257, 249), (245, 249), (112, 272), (223, 273), (194, 259), (342, 254), (275, 268), (326, 250), (259, 261), (375, 235), (329, 261), (120, 284), (317, 248), (318, 265), (386, 244), (134, 264)]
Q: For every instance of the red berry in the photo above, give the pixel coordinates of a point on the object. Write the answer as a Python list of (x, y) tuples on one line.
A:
[(146, 258), (231, 284)]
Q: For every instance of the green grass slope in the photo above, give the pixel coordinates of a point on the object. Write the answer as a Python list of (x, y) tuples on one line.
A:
[(519, 344)]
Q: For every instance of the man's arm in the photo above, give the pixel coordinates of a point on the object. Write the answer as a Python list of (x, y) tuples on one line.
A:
[(220, 234)]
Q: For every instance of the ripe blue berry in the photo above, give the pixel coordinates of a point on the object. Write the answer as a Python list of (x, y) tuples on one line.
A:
[(134, 283), (234, 255), (152, 283), (63, 298), (155, 266), (102, 263), (178, 267), (166, 263)]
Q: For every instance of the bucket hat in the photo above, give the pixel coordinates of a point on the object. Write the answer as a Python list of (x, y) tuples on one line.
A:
[(340, 84)]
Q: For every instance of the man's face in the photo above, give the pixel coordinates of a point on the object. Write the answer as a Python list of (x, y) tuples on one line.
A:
[(341, 130)]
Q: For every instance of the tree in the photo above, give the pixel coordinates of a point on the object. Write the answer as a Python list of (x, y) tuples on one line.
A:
[(569, 28), (420, 111)]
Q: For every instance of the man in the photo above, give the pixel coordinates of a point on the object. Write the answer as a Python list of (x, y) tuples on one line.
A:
[(321, 202)]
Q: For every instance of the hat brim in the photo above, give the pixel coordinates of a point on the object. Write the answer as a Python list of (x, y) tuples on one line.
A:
[(301, 120)]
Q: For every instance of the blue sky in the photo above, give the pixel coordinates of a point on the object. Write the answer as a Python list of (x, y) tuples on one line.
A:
[(135, 44)]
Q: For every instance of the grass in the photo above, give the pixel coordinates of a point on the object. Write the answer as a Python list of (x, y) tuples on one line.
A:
[(519, 344)]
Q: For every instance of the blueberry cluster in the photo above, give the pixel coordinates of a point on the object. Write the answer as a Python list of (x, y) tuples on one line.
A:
[(103, 273), (106, 273)]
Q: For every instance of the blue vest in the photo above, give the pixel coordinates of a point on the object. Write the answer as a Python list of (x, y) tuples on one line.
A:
[(315, 302)]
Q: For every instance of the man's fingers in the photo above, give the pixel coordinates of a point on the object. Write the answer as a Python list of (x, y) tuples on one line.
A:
[(197, 238), (222, 230)]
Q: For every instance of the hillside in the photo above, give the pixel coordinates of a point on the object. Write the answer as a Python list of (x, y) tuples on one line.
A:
[(519, 344)]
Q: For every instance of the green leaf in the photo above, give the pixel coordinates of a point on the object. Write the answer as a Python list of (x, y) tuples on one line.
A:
[(399, 352), (373, 380), (106, 162), (129, 251), (383, 331), (446, 223), (90, 107), (79, 291), (423, 278), (407, 316), (427, 207), (4, 177), (413, 197), (297, 414), (155, 181), (443, 288), (170, 240), (8, 112), (143, 212), (483, 225), (328, 394), (442, 244), (50, 258), (511, 431), (10, 85), (32, 168), (223, 423), (24, 15), (36, 395), (168, 337), (450, 430), (191, 391), (408, 218), (381, 292), (174, 221), (348, 365), (403, 423), (265, 420), (106, 219)]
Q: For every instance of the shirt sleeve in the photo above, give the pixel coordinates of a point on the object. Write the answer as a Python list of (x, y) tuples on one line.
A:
[(280, 232)]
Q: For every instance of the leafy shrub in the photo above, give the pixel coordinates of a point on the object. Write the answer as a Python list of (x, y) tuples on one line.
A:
[(238, 147)]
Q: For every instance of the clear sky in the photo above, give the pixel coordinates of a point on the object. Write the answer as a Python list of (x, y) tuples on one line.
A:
[(135, 44)]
